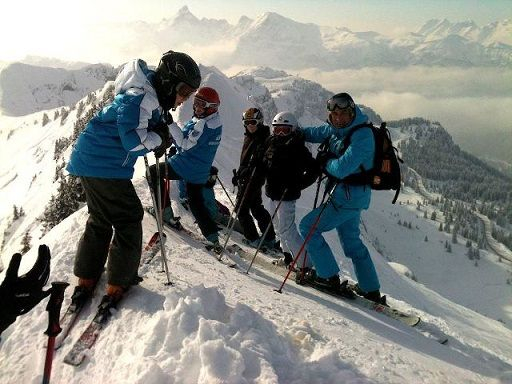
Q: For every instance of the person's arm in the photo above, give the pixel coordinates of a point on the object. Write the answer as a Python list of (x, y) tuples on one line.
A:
[(133, 117), (317, 134), (311, 169), (360, 150)]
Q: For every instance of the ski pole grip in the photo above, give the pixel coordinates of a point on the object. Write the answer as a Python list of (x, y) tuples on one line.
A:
[(54, 306)]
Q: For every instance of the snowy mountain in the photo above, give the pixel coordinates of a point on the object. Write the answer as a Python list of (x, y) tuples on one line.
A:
[(218, 325), (277, 41), (25, 89)]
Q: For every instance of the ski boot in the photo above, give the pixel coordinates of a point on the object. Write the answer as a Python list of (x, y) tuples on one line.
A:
[(374, 296), (82, 293)]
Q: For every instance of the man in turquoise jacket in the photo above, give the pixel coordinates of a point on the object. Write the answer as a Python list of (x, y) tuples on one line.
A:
[(343, 212), (135, 123)]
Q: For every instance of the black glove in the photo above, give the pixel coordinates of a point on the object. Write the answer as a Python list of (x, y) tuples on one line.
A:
[(18, 295), (162, 130), (234, 179), (323, 157)]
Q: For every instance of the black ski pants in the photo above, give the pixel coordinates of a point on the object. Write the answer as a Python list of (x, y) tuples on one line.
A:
[(194, 194), (253, 204), (114, 210)]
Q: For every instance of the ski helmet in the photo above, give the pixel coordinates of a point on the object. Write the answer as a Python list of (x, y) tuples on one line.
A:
[(208, 99), (284, 123), (177, 73), (252, 116)]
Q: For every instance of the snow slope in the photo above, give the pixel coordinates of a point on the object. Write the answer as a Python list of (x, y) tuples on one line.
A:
[(219, 325)]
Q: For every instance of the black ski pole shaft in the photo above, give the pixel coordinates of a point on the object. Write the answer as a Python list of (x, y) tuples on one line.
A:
[(266, 231), (160, 219), (53, 308), (232, 222), (226, 192), (155, 206), (308, 237)]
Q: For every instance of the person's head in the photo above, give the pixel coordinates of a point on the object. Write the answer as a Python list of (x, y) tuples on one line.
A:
[(251, 118), (177, 77), (284, 124), (206, 102), (342, 110)]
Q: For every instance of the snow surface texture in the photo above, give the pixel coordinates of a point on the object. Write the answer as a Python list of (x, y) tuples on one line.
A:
[(219, 325)]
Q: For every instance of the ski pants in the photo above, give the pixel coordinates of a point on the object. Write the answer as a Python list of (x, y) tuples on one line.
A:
[(194, 194), (114, 209), (286, 230), (253, 204), (346, 223)]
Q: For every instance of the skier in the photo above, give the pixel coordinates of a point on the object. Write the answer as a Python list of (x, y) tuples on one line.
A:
[(289, 168), (344, 211), (135, 123), (197, 145), (249, 200)]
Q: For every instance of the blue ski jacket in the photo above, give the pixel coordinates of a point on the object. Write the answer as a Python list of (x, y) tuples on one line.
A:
[(361, 151), (117, 135), (197, 144)]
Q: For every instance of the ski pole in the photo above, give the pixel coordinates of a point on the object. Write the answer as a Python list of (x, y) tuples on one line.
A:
[(226, 192), (53, 308), (266, 230), (158, 215), (308, 237), (232, 219)]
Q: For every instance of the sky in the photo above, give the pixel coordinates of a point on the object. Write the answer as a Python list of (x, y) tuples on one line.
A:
[(55, 28)]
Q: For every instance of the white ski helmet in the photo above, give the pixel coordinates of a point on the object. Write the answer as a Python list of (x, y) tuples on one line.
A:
[(285, 118)]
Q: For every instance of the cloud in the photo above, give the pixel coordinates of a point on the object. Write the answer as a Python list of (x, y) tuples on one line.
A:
[(459, 98)]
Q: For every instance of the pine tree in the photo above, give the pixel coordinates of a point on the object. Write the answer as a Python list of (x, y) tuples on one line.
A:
[(426, 238), (440, 227), (25, 243), (69, 195), (15, 214)]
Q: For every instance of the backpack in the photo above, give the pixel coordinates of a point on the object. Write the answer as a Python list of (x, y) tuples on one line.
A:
[(385, 174)]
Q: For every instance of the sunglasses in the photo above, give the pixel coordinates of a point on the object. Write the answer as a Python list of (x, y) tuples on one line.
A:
[(203, 103), (341, 103), (250, 122), (184, 90), (282, 130)]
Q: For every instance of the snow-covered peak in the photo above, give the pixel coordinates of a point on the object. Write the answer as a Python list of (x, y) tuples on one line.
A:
[(27, 88)]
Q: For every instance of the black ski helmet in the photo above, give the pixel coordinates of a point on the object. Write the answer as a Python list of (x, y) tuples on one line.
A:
[(175, 69), (342, 101)]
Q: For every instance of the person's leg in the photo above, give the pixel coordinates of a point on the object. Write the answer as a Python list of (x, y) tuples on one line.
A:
[(205, 222), (291, 241), (245, 218), (94, 243), (355, 249), (318, 250), (262, 216)]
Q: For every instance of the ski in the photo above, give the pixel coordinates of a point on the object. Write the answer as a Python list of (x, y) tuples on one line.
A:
[(270, 265), (88, 338), (152, 248), (69, 319)]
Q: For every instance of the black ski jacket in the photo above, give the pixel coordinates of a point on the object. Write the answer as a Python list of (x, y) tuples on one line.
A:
[(252, 154), (288, 165)]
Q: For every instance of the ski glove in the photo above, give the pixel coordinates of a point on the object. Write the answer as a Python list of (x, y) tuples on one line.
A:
[(19, 294), (323, 157), (162, 130)]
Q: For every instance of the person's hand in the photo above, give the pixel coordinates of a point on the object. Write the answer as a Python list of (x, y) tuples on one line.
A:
[(234, 179), (19, 294), (162, 130), (323, 157)]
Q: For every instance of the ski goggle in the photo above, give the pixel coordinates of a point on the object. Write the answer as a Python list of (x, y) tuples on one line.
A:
[(184, 90), (204, 104), (282, 130), (339, 102), (250, 122)]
